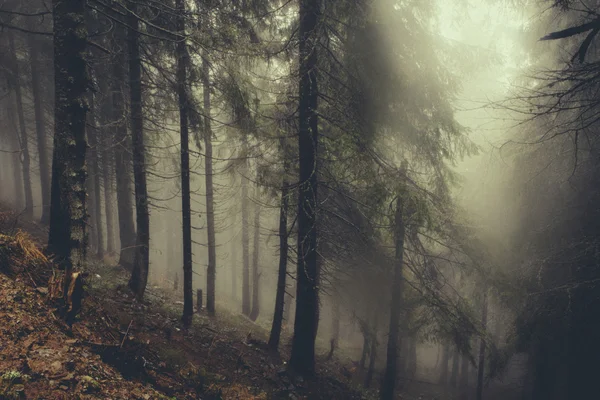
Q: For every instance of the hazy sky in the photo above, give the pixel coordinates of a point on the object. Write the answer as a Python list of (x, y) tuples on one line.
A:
[(490, 29)]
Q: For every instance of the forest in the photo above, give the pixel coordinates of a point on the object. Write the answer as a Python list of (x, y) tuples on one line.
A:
[(299, 199)]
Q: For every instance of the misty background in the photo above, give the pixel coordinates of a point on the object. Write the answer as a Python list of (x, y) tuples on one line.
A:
[(447, 124)]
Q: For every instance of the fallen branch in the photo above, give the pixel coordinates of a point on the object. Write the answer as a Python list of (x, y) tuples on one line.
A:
[(126, 333)]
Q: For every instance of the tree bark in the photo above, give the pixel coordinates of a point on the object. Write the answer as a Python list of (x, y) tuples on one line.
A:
[(6, 166), (255, 263), (389, 379), (106, 139), (91, 205), (127, 231), (302, 359), (40, 126), (68, 219), (17, 170), (445, 359), (199, 301), (139, 275), (335, 331), (234, 284), (94, 178), (464, 378), (404, 349), (365, 347), (245, 236), (211, 271), (275, 335), (412, 357), (186, 212), (288, 300), (23, 139), (372, 352), (455, 367), (481, 361)]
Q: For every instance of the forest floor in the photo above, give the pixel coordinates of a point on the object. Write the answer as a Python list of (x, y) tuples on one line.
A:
[(123, 349), (119, 348)]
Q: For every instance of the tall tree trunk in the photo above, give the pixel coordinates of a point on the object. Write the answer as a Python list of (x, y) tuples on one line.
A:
[(365, 348), (5, 166), (412, 357), (275, 335), (302, 359), (445, 359), (106, 139), (94, 178), (91, 204), (40, 126), (234, 284), (245, 235), (288, 300), (211, 271), (255, 263), (455, 367), (481, 363), (127, 232), (464, 378), (404, 348), (389, 379), (171, 251), (372, 352), (141, 261), (68, 217), (58, 228), (186, 212), (15, 147), (335, 327), (23, 139)]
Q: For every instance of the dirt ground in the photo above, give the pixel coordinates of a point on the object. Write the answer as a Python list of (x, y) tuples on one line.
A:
[(122, 349)]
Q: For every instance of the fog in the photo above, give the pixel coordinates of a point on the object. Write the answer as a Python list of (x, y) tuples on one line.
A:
[(454, 153)]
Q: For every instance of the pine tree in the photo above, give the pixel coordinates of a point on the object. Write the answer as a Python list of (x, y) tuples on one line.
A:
[(141, 261), (302, 359), (40, 125), (182, 63), (23, 137), (211, 271), (68, 219)]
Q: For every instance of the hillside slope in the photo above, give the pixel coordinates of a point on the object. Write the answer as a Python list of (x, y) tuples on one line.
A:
[(122, 349)]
